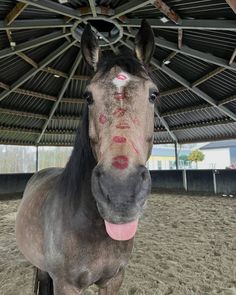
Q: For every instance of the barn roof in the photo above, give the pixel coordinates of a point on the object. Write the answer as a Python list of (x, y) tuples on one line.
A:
[(42, 74), (219, 145)]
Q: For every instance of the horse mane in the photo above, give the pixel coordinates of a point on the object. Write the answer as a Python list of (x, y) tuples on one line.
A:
[(81, 161), (125, 59)]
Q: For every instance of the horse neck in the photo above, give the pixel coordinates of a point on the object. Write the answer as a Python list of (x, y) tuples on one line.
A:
[(75, 187)]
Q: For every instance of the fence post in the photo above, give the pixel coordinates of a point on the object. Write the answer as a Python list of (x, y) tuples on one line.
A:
[(185, 182), (37, 158), (176, 157), (214, 180)]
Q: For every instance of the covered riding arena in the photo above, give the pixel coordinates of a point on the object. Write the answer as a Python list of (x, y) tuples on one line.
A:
[(186, 241)]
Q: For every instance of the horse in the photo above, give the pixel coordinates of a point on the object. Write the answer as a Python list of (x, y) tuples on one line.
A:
[(77, 224)]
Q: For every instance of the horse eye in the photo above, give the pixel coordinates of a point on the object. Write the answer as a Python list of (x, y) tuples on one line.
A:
[(89, 97), (153, 96)]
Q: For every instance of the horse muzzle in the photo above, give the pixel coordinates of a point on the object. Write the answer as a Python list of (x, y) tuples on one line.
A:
[(120, 200)]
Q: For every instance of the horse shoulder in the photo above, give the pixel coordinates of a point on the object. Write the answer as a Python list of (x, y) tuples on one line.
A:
[(29, 220)]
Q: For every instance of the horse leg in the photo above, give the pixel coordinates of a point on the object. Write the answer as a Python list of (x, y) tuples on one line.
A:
[(113, 286), (45, 283)]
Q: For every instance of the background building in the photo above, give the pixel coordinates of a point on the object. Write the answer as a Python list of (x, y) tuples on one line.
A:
[(219, 155)]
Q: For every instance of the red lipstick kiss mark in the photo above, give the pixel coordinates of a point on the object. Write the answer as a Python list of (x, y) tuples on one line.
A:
[(122, 126), (102, 119), (121, 77), (119, 96), (119, 112), (120, 162), (119, 139)]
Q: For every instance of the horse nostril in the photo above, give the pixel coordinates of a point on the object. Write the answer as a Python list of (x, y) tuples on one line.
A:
[(144, 175)]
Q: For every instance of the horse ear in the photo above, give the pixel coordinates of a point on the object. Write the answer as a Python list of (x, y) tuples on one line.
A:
[(144, 43), (90, 47)]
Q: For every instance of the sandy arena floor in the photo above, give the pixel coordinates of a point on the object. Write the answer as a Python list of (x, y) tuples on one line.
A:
[(185, 245)]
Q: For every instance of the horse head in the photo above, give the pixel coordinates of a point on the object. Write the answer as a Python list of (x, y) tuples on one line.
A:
[(121, 98)]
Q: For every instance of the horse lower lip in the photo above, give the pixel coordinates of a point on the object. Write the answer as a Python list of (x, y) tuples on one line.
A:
[(121, 232)]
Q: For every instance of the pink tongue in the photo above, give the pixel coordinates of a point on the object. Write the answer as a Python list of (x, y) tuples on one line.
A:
[(121, 232)]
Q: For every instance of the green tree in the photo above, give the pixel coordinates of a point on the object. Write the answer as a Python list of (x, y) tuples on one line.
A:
[(196, 156)]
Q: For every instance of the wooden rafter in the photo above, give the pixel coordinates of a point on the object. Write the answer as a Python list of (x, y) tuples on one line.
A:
[(169, 58), (36, 131), (232, 57), (180, 38), (27, 59), (60, 95), (53, 71), (9, 19), (15, 12), (37, 115), (41, 95), (232, 4), (201, 106), (167, 11)]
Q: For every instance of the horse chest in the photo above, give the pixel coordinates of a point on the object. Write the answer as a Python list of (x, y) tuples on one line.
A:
[(87, 264)]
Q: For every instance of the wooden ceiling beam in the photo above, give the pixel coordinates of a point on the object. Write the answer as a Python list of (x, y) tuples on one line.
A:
[(186, 24), (30, 24), (42, 95), (33, 43), (184, 110), (208, 76), (227, 100), (25, 77), (232, 57), (15, 12), (167, 11), (188, 51), (37, 115), (54, 7), (180, 38), (206, 123), (56, 72), (129, 7), (36, 131), (167, 60), (202, 106), (93, 7), (27, 59), (61, 94)]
